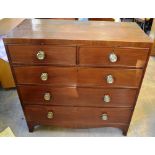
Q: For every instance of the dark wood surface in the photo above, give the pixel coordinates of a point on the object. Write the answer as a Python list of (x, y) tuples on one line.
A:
[(97, 77), (73, 96), (127, 57), (56, 75), (78, 32), (26, 54), (77, 73), (78, 117), (78, 76)]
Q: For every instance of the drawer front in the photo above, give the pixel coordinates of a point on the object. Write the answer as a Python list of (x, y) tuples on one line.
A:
[(30, 54), (119, 57), (76, 116), (77, 96), (45, 75), (109, 77)]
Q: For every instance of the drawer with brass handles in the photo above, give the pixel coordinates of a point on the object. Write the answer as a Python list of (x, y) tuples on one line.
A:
[(77, 74), (45, 75), (73, 96), (109, 77), (42, 54), (116, 57), (78, 116)]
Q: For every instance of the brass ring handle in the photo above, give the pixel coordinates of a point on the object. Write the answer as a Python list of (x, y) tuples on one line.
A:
[(113, 57), (47, 96), (44, 76), (106, 98), (50, 115), (104, 117), (41, 55), (109, 79)]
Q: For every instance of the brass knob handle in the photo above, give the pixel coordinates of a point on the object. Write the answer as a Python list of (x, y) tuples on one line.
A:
[(44, 76), (104, 117), (41, 55), (47, 96), (110, 79), (50, 115), (107, 98), (113, 57)]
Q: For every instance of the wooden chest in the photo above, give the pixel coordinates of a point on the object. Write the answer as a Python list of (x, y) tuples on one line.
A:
[(78, 74)]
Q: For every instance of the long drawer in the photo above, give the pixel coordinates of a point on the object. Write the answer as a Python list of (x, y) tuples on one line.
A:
[(76, 116), (72, 96), (42, 54), (117, 57), (109, 77), (46, 75)]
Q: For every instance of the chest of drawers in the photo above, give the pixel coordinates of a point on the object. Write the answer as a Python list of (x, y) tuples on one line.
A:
[(78, 74)]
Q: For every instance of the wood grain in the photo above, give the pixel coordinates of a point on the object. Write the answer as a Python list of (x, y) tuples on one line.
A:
[(56, 75), (99, 57), (78, 32), (97, 77), (73, 96), (76, 117), (55, 55), (7, 24), (77, 71)]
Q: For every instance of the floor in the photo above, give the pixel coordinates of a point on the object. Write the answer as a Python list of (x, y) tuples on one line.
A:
[(142, 124)]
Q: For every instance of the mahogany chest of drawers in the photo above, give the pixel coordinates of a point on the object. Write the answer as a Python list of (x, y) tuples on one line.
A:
[(78, 74)]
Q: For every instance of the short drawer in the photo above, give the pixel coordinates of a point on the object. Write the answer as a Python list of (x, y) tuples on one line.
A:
[(45, 75), (76, 116), (72, 96), (109, 77), (119, 57), (42, 54)]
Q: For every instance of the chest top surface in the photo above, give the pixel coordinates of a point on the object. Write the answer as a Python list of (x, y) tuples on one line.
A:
[(77, 32)]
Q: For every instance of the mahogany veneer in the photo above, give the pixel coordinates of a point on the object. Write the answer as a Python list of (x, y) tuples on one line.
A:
[(73, 96), (56, 75), (77, 117), (78, 74), (128, 57), (55, 55)]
